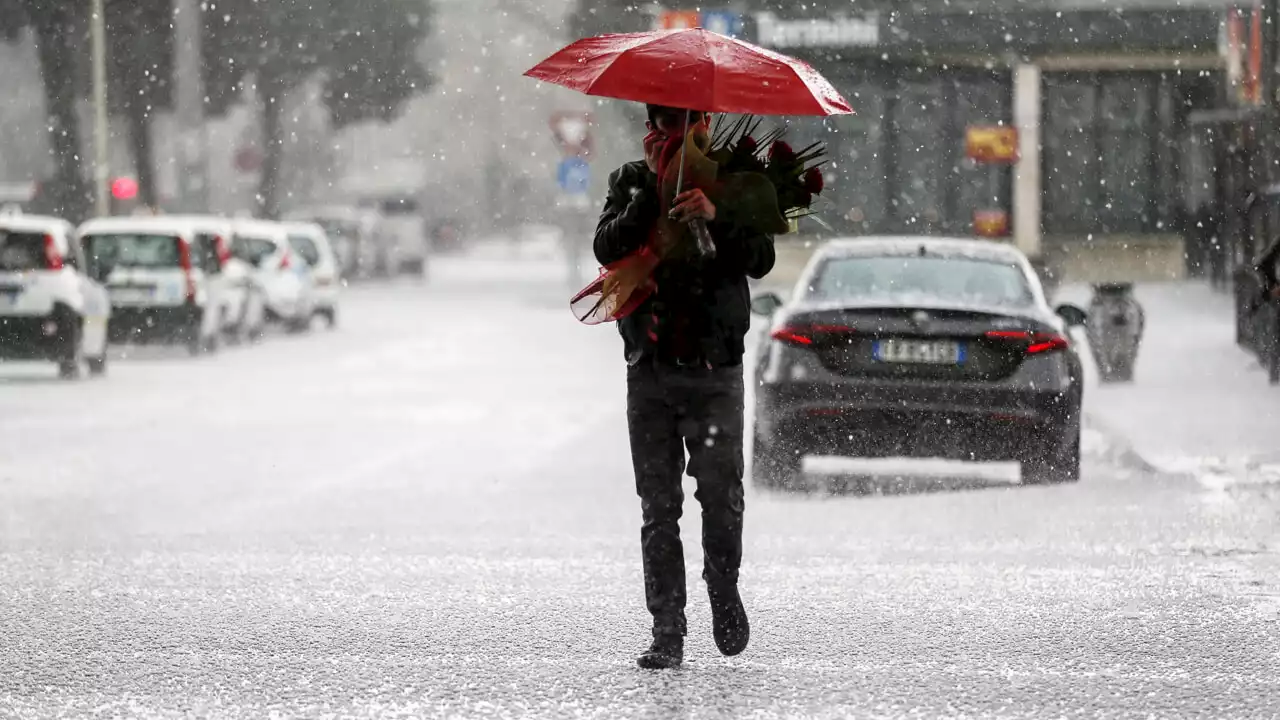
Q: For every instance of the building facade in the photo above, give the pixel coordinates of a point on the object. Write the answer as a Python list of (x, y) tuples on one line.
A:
[(1100, 95)]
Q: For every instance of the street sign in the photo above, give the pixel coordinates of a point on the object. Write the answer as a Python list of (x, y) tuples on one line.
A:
[(574, 175), (725, 22), (572, 132), (679, 19)]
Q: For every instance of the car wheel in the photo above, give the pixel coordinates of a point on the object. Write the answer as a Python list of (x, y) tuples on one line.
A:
[(331, 317), (1124, 370), (297, 326), (1057, 460), (774, 465), (98, 365), (195, 343), (71, 366)]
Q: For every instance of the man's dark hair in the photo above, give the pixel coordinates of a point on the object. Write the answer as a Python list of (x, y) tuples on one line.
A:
[(655, 110)]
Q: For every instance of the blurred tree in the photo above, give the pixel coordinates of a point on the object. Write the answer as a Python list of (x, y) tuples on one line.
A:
[(140, 71), (12, 20), (368, 51), (139, 58), (58, 30)]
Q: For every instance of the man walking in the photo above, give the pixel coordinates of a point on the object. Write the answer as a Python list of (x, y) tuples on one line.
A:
[(684, 348)]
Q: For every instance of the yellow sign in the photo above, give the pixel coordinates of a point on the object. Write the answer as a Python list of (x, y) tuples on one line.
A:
[(991, 143)]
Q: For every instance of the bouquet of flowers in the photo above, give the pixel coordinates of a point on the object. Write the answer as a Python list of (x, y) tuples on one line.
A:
[(764, 183), (757, 185)]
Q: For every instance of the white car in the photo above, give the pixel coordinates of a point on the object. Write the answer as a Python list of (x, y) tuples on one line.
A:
[(50, 308), (244, 302), (360, 245), (161, 278), (310, 242), (286, 279)]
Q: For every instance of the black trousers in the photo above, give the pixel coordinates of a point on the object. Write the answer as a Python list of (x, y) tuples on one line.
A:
[(671, 410)]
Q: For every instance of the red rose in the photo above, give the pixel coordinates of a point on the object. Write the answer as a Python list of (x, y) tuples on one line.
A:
[(748, 144), (781, 152), (813, 181)]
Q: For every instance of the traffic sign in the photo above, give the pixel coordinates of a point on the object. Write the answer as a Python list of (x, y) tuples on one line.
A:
[(574, 175), (572, 132), (248, 159), (724, 22), (124, 188)]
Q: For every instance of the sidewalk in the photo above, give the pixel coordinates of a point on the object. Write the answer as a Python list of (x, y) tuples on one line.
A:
[(1198, 403)]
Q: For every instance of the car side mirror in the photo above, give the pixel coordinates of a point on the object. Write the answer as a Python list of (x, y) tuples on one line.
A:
[(1074, 316), (766, 304)]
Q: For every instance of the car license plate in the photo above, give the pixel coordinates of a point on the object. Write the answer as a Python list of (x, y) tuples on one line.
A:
[(131, 295), (926, 352)]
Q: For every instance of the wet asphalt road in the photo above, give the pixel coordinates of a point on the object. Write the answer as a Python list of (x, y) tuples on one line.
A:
[(428, 513)]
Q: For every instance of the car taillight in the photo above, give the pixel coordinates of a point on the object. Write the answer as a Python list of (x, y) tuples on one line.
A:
[(1035, 342), (284, 261), (188, 272), (805, 335), (52, 258), (224, 250)]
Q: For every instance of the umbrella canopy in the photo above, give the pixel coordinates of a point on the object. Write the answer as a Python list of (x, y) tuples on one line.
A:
[(695, 69)]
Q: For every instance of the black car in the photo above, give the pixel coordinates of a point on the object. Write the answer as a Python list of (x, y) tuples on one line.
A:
[(918, 347)]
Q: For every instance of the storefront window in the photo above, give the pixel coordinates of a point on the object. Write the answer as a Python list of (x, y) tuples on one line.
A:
[(1101, 131)]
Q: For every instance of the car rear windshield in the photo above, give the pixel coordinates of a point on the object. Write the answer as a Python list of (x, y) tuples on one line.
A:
[(133, 250), (306, 247), (252, 250), (21, 251), (906, 280)]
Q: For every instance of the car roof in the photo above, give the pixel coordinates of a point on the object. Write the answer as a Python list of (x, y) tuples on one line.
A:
[(892, 245), (908, 245), (21, 222), (267, 228), (201, 220), (302, 226), (332, 212), (163, 224)]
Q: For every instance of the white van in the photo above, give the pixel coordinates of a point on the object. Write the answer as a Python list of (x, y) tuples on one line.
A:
[(286, 279), (310, 241), (406, 229), (50, 307), (161, 280), (244, 309)]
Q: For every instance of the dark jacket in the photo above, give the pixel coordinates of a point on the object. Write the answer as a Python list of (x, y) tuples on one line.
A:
[(703, 303)]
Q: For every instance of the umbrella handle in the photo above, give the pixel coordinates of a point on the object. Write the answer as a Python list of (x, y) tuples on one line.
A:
[(706, 246)]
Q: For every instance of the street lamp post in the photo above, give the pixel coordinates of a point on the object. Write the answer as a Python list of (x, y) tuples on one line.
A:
[(101, 170)]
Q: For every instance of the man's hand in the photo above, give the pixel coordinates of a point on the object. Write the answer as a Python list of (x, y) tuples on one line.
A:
[(693, 205), (653, 144)]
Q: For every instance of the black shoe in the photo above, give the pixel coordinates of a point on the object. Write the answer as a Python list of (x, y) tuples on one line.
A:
[(728, 618), (666, 653)]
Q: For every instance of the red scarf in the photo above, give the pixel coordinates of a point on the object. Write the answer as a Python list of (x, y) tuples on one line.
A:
[(623, 285)]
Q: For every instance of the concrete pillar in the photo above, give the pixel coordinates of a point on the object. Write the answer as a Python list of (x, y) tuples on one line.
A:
[(1026, 174)]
